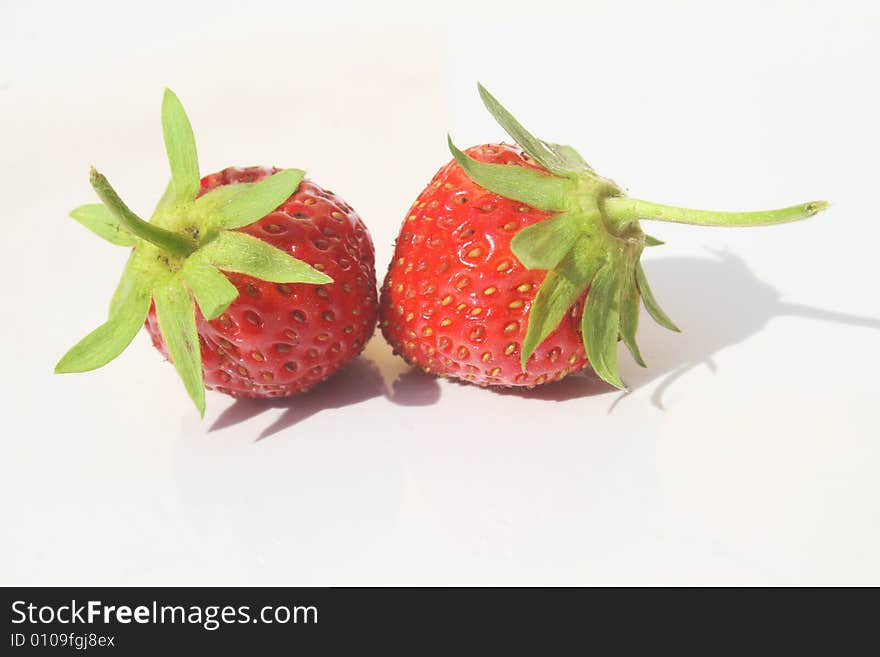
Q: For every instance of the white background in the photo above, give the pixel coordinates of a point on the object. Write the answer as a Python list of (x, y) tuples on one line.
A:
[(746, 454)]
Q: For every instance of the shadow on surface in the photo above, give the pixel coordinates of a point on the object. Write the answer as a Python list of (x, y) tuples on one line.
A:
[(717, 302), (359, 381)]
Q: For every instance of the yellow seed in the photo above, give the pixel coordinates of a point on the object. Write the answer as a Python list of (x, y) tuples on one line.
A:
[(445, 322), (445, 301), (515, 304), (510, 328), (510, 225), (509, 349), (504, 266), (475, 253), (541, 379), (461, 306), (495, 371), (409, 317), (412, 217), (443, 343), (463, 283), (463, 353), (258, 356), (476, 311), (525, 287), (572, 359), (399, 287), (427, 331), (486, 357), (489, 291)]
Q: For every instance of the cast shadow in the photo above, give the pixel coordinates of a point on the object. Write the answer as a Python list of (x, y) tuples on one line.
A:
[(359, 381), (717, 302)]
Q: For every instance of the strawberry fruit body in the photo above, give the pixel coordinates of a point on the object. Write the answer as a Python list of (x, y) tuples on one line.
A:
[(456, 300), (278, 339), (518, 265), (252, 281)]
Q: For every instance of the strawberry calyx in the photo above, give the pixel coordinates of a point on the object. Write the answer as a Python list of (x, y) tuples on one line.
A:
[(593, 243), (178, 257)]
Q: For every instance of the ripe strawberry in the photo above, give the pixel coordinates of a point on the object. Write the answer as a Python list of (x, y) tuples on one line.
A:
[(517, 266), (270, 324)]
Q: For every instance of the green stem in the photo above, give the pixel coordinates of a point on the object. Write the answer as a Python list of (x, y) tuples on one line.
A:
[(622, 210), (166, 240)]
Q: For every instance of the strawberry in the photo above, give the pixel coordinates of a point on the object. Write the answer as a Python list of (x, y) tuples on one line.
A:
[(213, 276), (517, 266)]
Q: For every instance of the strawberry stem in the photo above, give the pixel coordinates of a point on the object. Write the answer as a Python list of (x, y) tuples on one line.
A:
[(624, 210), (166, 240)]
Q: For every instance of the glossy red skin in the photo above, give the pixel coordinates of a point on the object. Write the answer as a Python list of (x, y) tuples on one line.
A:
[(278, 340), (454, 246)]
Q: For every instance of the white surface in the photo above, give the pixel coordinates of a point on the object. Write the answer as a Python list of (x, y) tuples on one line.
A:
[(747, 454)]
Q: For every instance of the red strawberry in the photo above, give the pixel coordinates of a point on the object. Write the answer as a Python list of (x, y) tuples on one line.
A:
[(279, 339), (270, 324), (516, 267)]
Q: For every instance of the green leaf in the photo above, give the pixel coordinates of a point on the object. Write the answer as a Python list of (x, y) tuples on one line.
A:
[(220, 196), (98, 219), (537, 149), (558, 293), (212, 290), (129, 308), (544, 244), (167, 197), (650, 302), (180, 144), (177, 322), (164, 239), (519, 183), (129, 282), (569, 156), (242, 253), (653, 241), (629, 310), (253, 202), (600, 323)]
